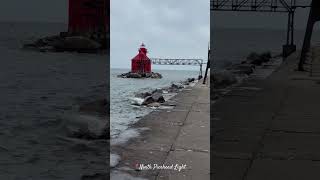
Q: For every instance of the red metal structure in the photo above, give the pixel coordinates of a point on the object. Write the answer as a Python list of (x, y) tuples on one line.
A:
[(89, 17), (141, 63)]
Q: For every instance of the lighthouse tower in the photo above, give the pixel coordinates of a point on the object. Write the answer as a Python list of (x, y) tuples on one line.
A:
[(141, 63)]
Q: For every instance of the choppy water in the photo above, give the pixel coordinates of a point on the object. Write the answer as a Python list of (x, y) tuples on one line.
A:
[(123, 114), (39, 93)]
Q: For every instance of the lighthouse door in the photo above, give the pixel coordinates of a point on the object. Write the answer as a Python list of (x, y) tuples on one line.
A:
[(141, 66)]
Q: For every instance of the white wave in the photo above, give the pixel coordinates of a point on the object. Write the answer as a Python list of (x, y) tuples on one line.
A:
[(136, 101), (126, 135), (114, 160)]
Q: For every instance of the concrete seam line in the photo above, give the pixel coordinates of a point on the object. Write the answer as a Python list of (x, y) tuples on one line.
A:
[(171, 148), (265, 132)]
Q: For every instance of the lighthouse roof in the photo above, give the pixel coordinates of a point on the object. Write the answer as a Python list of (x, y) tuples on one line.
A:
[(142, 55)]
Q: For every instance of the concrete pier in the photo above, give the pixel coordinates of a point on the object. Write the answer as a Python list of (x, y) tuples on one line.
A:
[(269, 131), (178, 136)]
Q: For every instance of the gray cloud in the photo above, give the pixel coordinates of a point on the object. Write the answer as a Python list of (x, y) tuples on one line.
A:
[(34, 10), (168, 28)]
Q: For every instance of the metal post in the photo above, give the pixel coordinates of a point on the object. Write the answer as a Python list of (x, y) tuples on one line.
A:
[(208, 66), (288, 28), (289, 47), (314, 16), (292, 27), (206, 73)]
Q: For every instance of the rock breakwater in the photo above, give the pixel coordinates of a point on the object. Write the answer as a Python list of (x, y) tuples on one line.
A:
[(152, 75), (236, 73), (156, 98), (67, 42)]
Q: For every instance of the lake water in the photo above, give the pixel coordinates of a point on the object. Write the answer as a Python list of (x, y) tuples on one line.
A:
[(40, 93), (234, 45)]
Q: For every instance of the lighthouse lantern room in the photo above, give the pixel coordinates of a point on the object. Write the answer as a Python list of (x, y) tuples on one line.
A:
[(141, 63)]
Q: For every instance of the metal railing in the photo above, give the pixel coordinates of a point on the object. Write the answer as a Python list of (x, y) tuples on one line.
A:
[(256, 5), (190, 62)]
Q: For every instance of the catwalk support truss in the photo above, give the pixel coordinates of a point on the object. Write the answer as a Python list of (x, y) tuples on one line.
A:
[(190, 62)]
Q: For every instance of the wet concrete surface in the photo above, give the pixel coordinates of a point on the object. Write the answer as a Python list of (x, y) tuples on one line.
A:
[(271, 133)]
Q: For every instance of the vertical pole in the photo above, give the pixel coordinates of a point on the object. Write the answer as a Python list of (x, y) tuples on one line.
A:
[(70, 18), (288, 28), (208, 65), (307, 37), (292, 28), (289, 47), (206, 73)]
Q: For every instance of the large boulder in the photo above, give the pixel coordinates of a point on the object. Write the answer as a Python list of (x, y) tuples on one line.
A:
[(157, 91), (143, 95), (222, 79), (148, 100), (77, 43), (86, 127), (44, 44), (258, 59), (148, 75), (242, 69), (176, 86), (158, 97), (254, 58), (124, 75), (134, 75), (191, 79), (266, 56), (156, 75)]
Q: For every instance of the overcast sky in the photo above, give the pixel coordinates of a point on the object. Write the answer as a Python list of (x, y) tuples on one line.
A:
[(169, 29), (34, 10), (56, 11)]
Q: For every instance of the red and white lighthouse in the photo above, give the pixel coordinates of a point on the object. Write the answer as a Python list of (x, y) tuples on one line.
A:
[(141, 63)]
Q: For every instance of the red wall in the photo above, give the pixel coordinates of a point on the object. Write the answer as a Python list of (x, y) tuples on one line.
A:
[(140, 66), (88, 16)]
